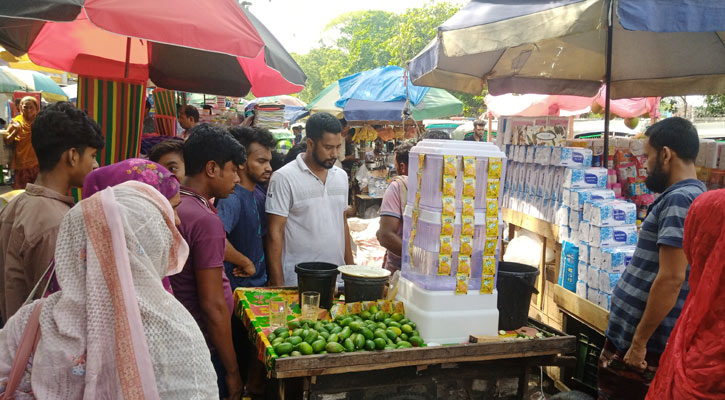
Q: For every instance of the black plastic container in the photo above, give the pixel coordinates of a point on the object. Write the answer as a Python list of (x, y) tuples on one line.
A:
[(317, 277), (358, 288), (516, 282)]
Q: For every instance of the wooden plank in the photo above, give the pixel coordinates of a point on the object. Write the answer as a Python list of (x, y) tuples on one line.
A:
[(587, 312), (530, 223), (366, 361)]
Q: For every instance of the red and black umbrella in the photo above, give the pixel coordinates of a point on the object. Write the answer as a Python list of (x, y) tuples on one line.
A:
[(209, 46)]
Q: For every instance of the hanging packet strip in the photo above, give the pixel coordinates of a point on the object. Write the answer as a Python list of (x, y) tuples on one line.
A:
[(468, 226), (494, 168), (469, 187), (416, 207)]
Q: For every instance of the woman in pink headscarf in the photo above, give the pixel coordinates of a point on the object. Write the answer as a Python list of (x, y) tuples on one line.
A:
[(113, 332), (693, 364)]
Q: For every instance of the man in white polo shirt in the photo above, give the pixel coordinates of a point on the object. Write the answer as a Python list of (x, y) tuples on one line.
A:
[(306, 203)]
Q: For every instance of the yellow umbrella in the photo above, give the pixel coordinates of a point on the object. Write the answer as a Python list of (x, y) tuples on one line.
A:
[(23, 62)]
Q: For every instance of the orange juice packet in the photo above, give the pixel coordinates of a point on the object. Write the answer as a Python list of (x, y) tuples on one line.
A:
[(464, 266), (466, 245), (461, 284), (494, 168), (469, 166), (489, 265), (444, 264), (446, 245)]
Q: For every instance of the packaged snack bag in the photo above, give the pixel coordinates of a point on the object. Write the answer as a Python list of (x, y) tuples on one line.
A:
[(447, 225), (467, 226), (487, 285), (449, 186), (446, 245), (492, 227), (492, 189), (469, 166), (489, 265), (491, 208), (466, 245), (489, 248), (450, 165), (444, 264), (494, 168), (461, 284), (468, 209), (464, 266), (469, 187), (449, 206)]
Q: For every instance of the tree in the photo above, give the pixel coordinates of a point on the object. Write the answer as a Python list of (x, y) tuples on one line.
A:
[(323, 66), (715, 105), (415, 29), (362, 35)]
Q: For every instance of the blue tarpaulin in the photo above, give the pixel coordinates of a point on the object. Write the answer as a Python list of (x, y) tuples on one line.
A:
[(382, 84)]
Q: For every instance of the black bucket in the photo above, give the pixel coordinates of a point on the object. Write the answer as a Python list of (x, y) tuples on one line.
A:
[(358, 288), (516, 282), (317, 277)]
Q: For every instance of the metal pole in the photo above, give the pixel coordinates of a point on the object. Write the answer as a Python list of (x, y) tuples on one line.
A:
[(128, 56), (608, 83)]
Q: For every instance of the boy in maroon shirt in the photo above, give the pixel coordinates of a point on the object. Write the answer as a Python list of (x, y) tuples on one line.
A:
[(212, 158)]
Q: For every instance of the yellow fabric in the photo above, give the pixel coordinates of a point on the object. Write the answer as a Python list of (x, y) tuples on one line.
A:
[(24, 153)]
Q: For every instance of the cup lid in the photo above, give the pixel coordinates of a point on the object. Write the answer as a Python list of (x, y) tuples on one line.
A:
[(364, 271)]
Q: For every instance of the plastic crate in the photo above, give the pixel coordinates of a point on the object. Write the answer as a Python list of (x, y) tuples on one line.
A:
[(586, 361)]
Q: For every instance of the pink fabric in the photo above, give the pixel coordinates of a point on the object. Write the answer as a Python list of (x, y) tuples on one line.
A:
[(539, 105), (132, 169), (133, 337), (693, 364)]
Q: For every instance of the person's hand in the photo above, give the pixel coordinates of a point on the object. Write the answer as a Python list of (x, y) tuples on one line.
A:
[(246, 269), (235, 386), (635, 357)]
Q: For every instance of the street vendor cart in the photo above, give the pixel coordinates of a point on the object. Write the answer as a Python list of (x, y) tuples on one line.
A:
[(448, 372)]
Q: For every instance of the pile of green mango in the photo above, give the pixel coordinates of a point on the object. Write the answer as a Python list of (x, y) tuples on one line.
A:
[(369, 330)]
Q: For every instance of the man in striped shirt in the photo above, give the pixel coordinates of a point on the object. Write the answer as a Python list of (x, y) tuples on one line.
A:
[(650, 294)]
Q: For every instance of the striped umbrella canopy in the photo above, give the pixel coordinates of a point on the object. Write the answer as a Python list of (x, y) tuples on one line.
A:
[(213, 46), (30, 81)]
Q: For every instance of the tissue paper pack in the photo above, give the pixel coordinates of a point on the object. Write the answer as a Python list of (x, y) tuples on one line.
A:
[(613, 236), (584, 231), (542, 155), (584, 253), (614, 259), (592, 294), (579, 197), (530, 154), (581, 289), (605, 300), (608, 280), (562, 215), (582, 271), (571, 157), (593, 277), (575, 218), (613, 213), (585, 178)]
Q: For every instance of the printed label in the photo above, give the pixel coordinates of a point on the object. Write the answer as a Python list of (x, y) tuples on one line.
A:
[(620, 236), (591, 179), (618, 215)]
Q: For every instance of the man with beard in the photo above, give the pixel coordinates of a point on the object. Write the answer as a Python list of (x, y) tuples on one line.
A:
[(306, 202), (244, 259), (650, 294)]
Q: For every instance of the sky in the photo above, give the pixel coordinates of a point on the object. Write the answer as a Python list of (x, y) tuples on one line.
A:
[(298, 24)]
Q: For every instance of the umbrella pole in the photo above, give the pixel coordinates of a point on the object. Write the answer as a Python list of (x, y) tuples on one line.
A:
[(128, 56), (608, 83)]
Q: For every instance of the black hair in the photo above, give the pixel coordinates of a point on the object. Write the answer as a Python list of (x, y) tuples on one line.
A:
[(402, 152), (343, 122), (320, 123), (436, 134), (208, 143), (479, 122), (191, 112), (676, 133), (277, 161), (247, 135), (166, 147), (60, 127), (296, 150)]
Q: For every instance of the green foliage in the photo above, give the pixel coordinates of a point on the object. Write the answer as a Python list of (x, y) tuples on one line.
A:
[(715, 105), (369, 39)]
